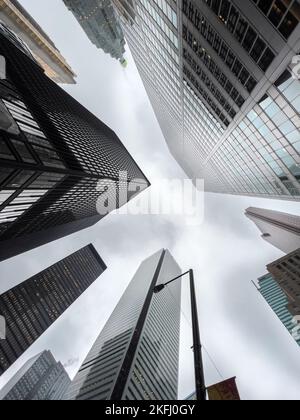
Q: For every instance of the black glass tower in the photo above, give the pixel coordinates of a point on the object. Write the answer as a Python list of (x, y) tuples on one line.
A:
[(56, 158), (33, 306)]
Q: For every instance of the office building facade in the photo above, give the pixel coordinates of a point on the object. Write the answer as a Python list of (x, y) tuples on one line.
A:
[(99, 21), (286, 272), (33, 306), (281, 230), (61, 168), (279, 302), (41, 378), (13, 14), (220, 78), (136, 355)]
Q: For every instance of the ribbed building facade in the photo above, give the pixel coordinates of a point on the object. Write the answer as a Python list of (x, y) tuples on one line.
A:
[(13, 14), (281, 230), (278, 301), (33, 306), (219, 76), (100, 23), (136, 355), (57, 160), (41, 378)]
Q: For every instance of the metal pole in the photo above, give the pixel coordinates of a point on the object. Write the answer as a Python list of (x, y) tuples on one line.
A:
[(199, 370)]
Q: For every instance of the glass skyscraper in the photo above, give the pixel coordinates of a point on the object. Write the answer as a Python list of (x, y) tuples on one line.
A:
[(99, 21), (33, 306), (57, 160), (278, 301), (40, 379), (136, 355), (218, 74)]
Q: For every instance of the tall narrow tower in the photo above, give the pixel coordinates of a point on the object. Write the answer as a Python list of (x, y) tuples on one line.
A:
[(33, 306), (136, 355)]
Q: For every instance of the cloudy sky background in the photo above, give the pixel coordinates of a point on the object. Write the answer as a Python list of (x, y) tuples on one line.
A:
[(240, 332)]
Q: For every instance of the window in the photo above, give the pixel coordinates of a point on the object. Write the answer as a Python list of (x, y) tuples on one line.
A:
[(265, 5), (232, 20), (5, 153), (4, 174), (4, 195), (266, 59), (258, 49), (240, 29), (7, 123), (48, 157), (20, 179), (283, 14), (288, 25), (250, 37), (277, 12), (224, 10), (23, 151)]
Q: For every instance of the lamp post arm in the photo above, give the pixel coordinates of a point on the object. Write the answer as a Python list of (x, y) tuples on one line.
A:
[(176, 278)]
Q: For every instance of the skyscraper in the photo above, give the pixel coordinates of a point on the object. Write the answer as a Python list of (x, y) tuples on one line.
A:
[(34, 305), (40, 379), (278, 301), (99, 21), (286, 272), (136, 355), (45, 52), (218, 74), (57, 160), (281, 230)]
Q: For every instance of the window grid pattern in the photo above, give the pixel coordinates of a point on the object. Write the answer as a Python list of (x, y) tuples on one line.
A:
[(264, 149), (160, 21), (278, 301), (40, 379), (242, 31), (284, 15), (34, 305), (52, 152), (239, 71)]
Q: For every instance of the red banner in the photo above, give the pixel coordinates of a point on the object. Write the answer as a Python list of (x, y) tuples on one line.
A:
[(224, 391)]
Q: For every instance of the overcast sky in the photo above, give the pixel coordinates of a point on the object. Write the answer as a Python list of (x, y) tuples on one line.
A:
[(239, 330)]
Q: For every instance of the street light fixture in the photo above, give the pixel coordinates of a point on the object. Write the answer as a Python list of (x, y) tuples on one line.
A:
[(198, 362)]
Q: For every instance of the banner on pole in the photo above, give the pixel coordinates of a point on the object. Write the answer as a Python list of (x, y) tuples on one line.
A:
[(224, 391)]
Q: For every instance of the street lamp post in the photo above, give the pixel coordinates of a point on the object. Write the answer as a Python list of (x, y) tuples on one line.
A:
[(197, 347)]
